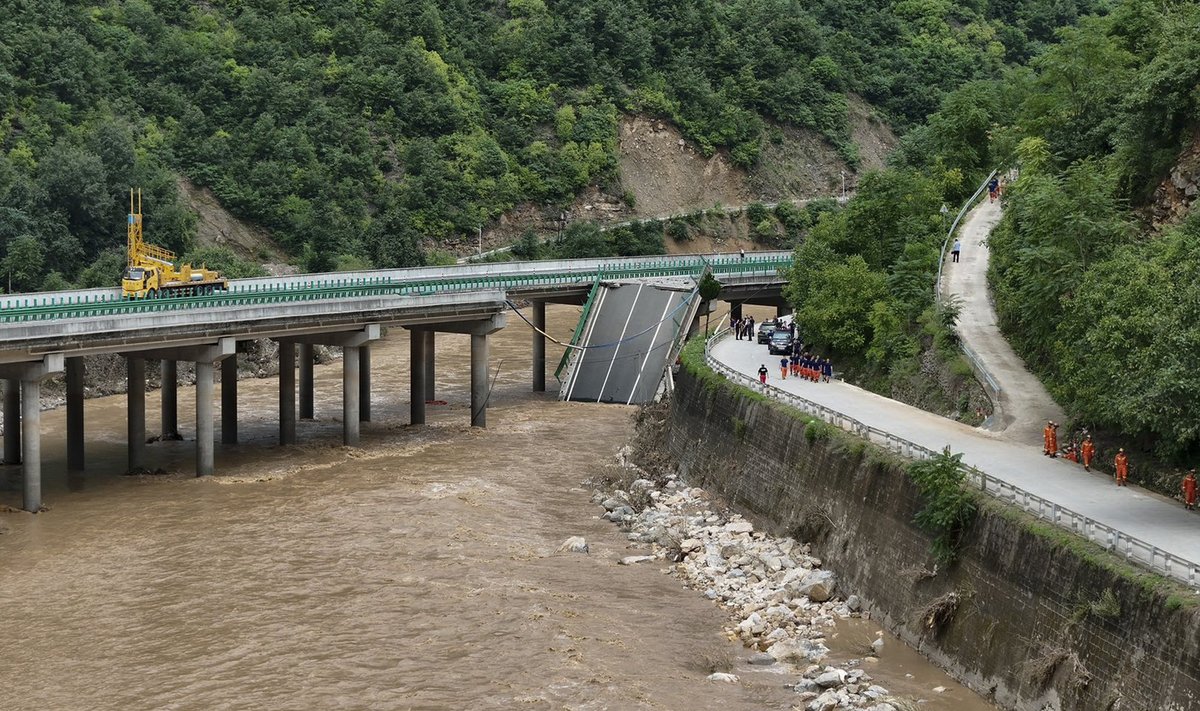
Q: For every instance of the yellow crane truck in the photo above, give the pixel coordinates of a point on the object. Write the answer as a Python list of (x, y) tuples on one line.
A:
[(152, 273)]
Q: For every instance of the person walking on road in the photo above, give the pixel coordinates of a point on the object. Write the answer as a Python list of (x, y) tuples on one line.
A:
[(1050, 435), (1121, 462), (783, 367), (750, 328), (762, 374), (736, 325), (955, 250), (1087, 450), (993, 187), (1188, 487)]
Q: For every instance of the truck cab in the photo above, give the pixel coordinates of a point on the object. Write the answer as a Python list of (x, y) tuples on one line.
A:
[(139, 282)]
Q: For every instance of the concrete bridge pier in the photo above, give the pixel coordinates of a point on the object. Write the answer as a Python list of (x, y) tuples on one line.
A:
[(539, 347), (229, 398), (364, 383), (204, 357), (170, 399), (479, 383), (75, 446), (351, 404), (430, 361), (418, 369), (306, 381), (29, 377), (287, 392), (735, 311), (204, 418), (135, 396), (351, 343), (783, 311), (12, 421)]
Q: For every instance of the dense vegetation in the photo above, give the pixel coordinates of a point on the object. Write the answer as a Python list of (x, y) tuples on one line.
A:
[(1099, 302), (360, 132), (1101, 305)]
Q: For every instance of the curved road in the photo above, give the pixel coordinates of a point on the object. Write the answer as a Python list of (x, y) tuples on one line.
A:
[(1023, 405), (1013, 452), (1150, 517)]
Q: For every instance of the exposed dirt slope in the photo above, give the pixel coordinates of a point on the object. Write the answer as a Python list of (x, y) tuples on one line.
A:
[(666, 174), (215, 227)]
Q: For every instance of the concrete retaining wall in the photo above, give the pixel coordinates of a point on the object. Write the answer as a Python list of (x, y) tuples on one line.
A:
[(1042, 620)]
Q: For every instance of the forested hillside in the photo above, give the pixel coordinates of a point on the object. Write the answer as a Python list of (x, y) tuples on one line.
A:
[(1104, 304), (353, 130)]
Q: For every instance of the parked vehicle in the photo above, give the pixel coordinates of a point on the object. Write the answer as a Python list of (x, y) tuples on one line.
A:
[(780, 343), (765, 329)]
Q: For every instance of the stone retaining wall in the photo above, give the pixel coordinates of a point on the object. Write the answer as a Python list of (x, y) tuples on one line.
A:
[(1030, 616)]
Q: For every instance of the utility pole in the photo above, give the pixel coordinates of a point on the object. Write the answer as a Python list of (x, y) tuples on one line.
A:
[(843, 186), (479, 229)]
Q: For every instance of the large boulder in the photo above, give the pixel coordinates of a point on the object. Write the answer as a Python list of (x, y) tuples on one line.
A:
[(817, 585)]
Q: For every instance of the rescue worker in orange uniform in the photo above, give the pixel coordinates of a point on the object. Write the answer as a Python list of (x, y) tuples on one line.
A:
[(1088, 450), (1072, 453), (1122, 464), (1046, 432), (1053, 439), (1188, 487)]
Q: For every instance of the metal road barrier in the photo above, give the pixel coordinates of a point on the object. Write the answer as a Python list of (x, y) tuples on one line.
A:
[(1115, 541), (397, 282)]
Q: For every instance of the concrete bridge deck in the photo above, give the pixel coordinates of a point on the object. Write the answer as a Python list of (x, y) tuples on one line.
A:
[(47, 334)]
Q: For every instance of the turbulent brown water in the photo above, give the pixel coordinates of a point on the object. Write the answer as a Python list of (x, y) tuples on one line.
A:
[(414, 572)]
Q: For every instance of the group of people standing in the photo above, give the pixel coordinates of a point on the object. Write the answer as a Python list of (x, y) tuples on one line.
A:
[(743, 327), (1085, 451)]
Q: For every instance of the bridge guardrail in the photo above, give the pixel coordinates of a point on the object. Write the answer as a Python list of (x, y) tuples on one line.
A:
[(1134, 549), (37, 307)]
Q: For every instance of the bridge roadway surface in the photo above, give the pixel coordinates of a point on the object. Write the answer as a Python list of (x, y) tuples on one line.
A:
[(99, 320), (1136, 512)]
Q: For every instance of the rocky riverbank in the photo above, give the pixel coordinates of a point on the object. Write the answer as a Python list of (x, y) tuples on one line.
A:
[(780, 599)]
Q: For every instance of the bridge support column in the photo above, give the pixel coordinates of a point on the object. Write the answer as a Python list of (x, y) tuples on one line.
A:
[(479, 384), (287, 392), (735, 311), (306, 381), (417, 372), (27, 379), (430, 363), (350, 394), (136, 419), (12, 421), (170, 399), (539, 347), (204, 418), (75, 372), (31, 445), (229, 399), (782, 311), (364, 383)]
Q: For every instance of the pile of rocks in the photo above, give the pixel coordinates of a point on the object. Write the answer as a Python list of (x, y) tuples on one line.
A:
[(781, 601)]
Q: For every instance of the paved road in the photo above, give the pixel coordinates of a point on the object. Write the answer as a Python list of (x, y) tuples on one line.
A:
[(1024, 405), (1153, 518)]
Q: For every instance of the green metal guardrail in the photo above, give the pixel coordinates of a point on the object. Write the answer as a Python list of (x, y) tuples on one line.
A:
[(45, 308)]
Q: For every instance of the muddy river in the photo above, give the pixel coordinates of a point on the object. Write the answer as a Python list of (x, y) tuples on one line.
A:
[(417, 571)]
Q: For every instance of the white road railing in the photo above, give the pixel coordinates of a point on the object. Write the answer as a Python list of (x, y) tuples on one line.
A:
[(1133, 549)]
